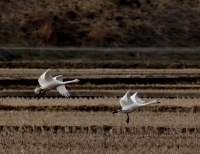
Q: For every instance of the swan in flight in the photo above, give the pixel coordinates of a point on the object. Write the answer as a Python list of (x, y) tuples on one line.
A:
[(129, 104), (47, 83)]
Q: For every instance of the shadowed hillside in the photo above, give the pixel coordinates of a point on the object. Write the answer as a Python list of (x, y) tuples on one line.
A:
[(135, 23)]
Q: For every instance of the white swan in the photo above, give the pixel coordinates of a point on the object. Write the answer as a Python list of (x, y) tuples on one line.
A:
[(129, 104), (47, 83)]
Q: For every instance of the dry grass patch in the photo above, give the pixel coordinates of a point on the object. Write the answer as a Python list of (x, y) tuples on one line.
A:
[(50, 142), (84, 119), (178, 105), (107, 101), (95, 73), (59, 101), (97, 132), (98, 34), (44, 33)]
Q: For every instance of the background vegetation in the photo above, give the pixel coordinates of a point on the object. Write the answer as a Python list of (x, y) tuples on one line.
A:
[(133, 23)]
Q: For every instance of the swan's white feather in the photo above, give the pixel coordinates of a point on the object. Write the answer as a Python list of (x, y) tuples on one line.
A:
[(45, 78), (125, 100), (62, 89), (129, 104), (47, 83), (136, 99)]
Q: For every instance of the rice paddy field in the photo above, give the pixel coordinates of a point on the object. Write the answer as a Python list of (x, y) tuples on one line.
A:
[(84, 123)]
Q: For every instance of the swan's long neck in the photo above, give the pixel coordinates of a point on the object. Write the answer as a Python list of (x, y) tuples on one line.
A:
[(67, 82), (152, 102), (72, 81)]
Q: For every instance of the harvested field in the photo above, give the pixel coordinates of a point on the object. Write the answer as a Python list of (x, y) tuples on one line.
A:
[(141, 141), (107, 101), (107, 82), (82, 131), (96, 105), (83, 119), (87, 112), (84, 123), (99, 73)]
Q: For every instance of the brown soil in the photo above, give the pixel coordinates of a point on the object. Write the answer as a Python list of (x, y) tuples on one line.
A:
[(100, 23), (100, 108)]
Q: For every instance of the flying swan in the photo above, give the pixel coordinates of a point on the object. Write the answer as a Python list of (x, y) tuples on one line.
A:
[(129, 104), (47, 83)]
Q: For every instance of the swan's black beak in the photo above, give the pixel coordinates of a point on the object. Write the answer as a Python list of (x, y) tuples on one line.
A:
[(113, 112)]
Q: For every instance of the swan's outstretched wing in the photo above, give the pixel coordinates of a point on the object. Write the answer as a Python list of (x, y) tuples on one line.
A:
[(61, 89), (45, 78), (136, 99), (126, 100), (59, 78)]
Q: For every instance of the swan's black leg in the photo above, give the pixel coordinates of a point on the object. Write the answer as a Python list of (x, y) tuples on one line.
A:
[(40, 94), (127, 120)]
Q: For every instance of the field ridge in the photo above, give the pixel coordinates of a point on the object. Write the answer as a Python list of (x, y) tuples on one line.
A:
[(99, 129), (99, 108)]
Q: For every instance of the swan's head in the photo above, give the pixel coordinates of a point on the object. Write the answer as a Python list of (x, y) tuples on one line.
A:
[(76, 80), (37, 90)]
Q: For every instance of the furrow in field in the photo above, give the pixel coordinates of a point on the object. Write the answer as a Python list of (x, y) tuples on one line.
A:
[(99, 73)]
